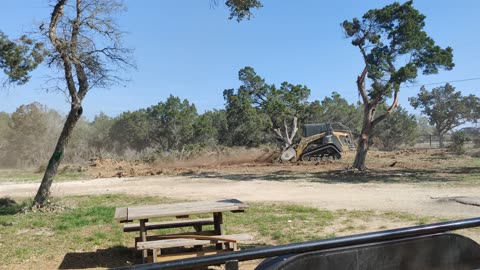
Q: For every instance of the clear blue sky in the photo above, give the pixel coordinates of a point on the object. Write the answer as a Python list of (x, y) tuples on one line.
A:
[(188, 49)]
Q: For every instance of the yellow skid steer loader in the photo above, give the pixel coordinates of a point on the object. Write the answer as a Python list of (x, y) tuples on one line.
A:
[(321, 141)]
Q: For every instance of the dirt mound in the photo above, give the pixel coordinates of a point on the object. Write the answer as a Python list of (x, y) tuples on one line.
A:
[(103, 167)]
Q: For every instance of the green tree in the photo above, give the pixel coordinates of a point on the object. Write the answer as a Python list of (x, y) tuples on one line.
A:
[(19, 58), (29, 137), (399, 128), (78, 149), (205, 129), (335, 109), (279, 104), (241, 9), (394, 48), (424, 126), (99, 129), (477, 114), (219, 121), (171, 123), (130, 130), (4, 120), (4, 131), (284, 103), (26, 125), (257, 108), (245, 123), (446, 108), (459, 139)]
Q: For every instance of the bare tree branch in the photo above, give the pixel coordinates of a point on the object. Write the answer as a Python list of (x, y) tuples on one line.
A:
[(361, 85), (287, 138)]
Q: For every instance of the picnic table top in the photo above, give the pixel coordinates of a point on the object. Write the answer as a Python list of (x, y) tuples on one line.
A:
[(177, 209)]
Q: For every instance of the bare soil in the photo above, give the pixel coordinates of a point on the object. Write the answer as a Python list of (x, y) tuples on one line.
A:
[(419, 182)]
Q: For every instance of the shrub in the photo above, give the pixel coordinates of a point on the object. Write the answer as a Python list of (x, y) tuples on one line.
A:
[(459, 138)]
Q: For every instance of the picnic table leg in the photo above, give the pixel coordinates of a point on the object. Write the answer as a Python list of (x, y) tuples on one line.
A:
[(198, 228), (143, 236), (218, 227), (155, 253)]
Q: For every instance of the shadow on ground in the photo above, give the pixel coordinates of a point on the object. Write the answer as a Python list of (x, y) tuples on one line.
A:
[(280, 175), (465, 170), (107, 258), (114, 257), (346, 176), (380, 176)]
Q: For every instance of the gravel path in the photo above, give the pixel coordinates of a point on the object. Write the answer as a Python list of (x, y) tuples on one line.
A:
[(413, 198)]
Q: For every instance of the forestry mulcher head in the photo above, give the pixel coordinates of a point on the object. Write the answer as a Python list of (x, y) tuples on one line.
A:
[(321, 141)]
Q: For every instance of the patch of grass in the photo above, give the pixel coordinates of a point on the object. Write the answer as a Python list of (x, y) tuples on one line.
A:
[(85, 224), (86, 228), (116, 200), (82, 217), (18, 175), (280, 223), (31, 175)]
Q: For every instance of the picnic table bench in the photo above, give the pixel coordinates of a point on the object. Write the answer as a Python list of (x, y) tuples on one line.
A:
[(195, 223), (191, 241), (198, 238)]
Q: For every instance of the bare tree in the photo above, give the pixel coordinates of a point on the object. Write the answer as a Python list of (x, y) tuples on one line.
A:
[(86, 47), (288, 138)]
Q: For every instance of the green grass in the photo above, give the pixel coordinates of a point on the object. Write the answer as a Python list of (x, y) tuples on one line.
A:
[(82, 217), (85, 227), (281, 223), (31, 175), (17, 175)]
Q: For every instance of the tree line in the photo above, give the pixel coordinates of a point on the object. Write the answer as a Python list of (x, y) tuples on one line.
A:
[(251, 112)]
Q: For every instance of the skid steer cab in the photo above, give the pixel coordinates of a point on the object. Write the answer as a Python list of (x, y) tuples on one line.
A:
[(321, 141)]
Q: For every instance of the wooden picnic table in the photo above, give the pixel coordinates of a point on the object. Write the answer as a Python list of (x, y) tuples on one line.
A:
[(143, 213)]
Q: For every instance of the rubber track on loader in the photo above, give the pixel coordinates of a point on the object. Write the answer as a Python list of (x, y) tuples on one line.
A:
[(311, 153)]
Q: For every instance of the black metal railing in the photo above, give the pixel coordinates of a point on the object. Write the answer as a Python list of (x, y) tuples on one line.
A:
[(232, 258)]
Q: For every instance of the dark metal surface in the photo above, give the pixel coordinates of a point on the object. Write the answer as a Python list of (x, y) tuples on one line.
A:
[(231, 265), (312, 129), (440, 252), (296, 248)]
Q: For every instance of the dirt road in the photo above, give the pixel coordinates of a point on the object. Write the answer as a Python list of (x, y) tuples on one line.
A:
[(413, 198)]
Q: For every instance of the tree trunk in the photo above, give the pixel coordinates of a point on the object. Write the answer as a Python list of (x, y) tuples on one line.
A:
[(44, 190), (440, 140), (363, 141)]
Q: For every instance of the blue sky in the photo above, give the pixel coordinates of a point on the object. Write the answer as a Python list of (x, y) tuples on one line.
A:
[(190, 50)]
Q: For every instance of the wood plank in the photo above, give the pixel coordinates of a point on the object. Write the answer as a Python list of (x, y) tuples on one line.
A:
[(183, 242), (222, 238), (169, 243), (182, 209), (121, 214), (158, 237), (143, 236), (168, 224), (185, 255)]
